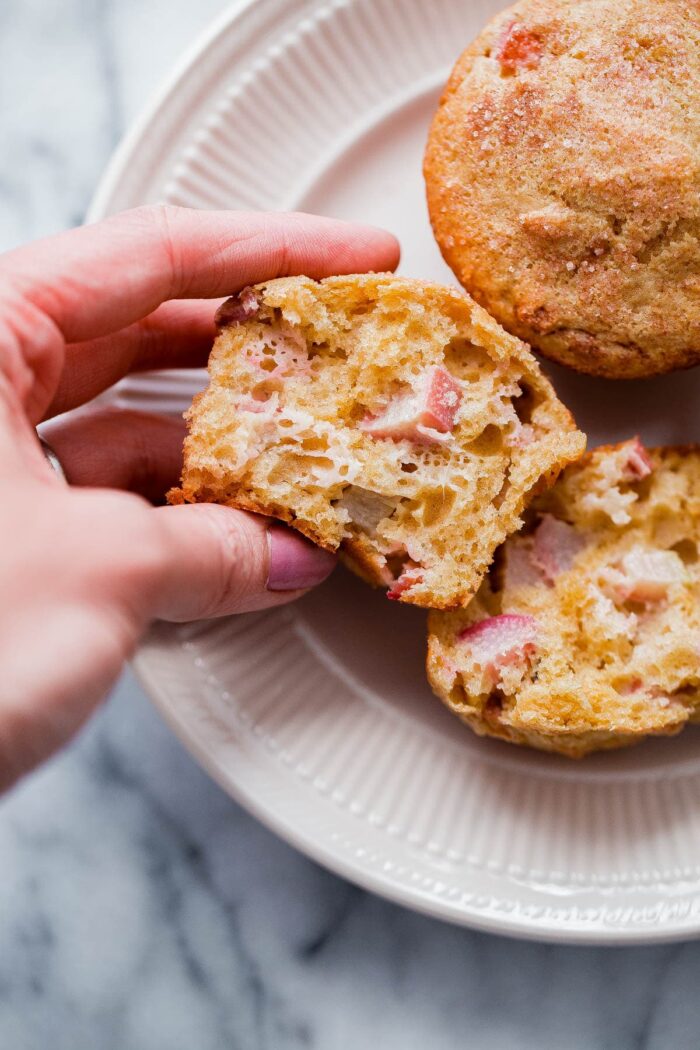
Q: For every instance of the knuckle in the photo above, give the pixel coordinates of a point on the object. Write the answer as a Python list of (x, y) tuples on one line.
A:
[(166, 218), (158, 216), (162, 221), (32, 350), (283, 244)]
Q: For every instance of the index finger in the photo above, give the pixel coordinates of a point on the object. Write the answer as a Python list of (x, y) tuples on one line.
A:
[(96, 279)]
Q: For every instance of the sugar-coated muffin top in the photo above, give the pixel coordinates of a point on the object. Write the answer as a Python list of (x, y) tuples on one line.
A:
[(563, 178)]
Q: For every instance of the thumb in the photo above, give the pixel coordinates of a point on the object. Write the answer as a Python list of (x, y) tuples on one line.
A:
[(216, 561)]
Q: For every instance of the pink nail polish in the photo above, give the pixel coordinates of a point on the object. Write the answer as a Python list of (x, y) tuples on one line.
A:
[(295, 563)]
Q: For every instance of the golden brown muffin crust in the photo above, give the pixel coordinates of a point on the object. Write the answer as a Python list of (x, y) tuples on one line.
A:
[(563, 180)]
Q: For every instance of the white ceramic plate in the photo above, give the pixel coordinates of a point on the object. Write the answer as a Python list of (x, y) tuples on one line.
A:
[(317, 717)]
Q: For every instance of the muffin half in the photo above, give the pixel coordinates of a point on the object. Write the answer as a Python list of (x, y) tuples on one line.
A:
[(387, 418), (586, 632)]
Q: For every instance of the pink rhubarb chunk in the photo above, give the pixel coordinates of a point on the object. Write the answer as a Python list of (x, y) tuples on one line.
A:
[(282, 352), (442, 397), (519, 568), (499, 642), (517, 48), (258, 408), (637, 463), (423, 414), (645, 576), (556, 544), (411, 575)]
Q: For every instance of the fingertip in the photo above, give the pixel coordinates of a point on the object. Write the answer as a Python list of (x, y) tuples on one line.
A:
[(294, 562), (348, 246), (386, 247), (219, 560)]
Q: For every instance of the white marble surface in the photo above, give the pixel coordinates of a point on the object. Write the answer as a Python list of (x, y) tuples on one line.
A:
[(139, 907)]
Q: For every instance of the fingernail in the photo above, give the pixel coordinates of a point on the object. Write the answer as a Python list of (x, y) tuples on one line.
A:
[(295, 563)]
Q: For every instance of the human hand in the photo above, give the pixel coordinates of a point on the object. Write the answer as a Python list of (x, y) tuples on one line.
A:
[(83, 570)]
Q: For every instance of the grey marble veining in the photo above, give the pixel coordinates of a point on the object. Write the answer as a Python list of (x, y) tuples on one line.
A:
[(141, 908)]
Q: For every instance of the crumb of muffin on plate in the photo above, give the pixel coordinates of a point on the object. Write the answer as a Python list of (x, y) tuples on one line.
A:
[(563, 177), (387, 418), (585, 634)]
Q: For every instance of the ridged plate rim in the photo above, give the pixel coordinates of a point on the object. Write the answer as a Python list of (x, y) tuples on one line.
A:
[(155, 140)]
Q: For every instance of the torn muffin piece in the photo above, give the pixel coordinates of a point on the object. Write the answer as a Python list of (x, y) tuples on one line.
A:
[(586, 632), (387, 418)]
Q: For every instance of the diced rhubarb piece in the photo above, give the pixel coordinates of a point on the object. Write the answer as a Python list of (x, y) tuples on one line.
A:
[(519, 569), (242, 307), (623, 465), (411, 575), (366, 508), (399, 419), (499, 642), (634, 686), (517, 48), (556, 544), (442, 396), (644, 576), (258, 408), (281, 352), (424, 414), (637, 463)]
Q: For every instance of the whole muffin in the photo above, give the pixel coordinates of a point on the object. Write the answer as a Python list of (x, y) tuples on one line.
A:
[(563, 178)]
